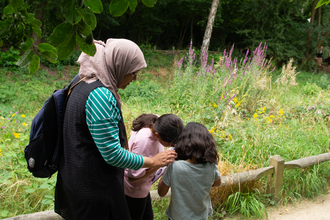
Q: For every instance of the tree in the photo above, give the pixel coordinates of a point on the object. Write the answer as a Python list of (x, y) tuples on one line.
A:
[(208, 30), (78, 16)]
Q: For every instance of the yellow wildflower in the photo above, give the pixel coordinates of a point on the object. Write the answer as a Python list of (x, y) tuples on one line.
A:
[(23, 116), (238, 104), (16, 134), (221, 98), (281, 112), (215, 105), (231, 138), (212, 130), (24, 124), (264, 108), (255, 115), (13, 115), (235, 99), (0, 123), (272, 116)]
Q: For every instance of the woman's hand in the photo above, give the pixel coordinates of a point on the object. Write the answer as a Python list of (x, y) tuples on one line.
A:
[(161, 159)]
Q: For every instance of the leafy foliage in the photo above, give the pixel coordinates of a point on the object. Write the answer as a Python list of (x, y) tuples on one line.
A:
[(17, 25), (9, 58)]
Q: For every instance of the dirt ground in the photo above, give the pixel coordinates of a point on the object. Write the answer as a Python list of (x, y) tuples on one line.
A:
[(317, 209)]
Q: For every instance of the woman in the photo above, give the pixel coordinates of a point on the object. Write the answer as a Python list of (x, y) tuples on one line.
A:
[(90, 178)]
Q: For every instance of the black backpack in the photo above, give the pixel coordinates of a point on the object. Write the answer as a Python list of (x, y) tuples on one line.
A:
[(42, 154)]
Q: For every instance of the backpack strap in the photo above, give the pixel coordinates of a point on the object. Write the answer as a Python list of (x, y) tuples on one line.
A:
[(71, 88)]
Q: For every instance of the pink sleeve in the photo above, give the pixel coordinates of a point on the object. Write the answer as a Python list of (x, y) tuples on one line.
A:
[(139, 146)]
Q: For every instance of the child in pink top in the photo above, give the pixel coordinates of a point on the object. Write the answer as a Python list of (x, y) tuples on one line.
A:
[(149, 135)]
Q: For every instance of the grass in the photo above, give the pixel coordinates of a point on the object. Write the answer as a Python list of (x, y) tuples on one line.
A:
[(251, 114)]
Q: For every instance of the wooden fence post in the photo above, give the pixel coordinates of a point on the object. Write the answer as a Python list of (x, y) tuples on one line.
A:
[(275, 180)]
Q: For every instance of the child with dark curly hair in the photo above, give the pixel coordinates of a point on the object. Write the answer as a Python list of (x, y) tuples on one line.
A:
[(192, 175)]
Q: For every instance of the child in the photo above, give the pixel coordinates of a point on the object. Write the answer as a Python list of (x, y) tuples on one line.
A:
[(149, 135), (193, 176)]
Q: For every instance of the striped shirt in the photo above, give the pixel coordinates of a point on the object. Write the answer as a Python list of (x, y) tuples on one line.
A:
[(102, 117)]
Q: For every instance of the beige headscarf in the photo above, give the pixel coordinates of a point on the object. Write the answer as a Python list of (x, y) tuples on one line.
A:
[(111, 62)]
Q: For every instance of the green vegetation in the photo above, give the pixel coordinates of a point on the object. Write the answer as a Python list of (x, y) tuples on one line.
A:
[(252, 111)]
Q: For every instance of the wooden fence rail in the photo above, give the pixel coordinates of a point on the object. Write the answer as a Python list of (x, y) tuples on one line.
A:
[(274, 173)]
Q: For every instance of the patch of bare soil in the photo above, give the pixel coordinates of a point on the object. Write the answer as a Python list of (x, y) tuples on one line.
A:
[(324, 68), (66, 72), (160, 72), (317, 209)]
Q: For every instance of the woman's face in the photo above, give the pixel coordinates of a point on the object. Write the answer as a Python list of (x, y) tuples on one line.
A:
[(127, 79)]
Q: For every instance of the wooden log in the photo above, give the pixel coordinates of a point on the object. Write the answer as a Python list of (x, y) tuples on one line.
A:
[(275, 180), (46, 215), (307, 161), (245, 176)]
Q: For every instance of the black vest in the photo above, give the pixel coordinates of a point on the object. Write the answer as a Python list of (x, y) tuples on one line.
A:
[(87, 187)]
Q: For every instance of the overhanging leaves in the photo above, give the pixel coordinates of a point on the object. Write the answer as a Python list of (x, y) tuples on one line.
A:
[(8, 10), (34, 64), (132, 5), (88, 49), (4, 26), (27, 44), (17, 3), (322, 2), (60, 33), (83, 28), (118, 7), (25, 59), (149, 3), (88, 17), (66, 48), (95, 6), (46, 47), (50, 56)]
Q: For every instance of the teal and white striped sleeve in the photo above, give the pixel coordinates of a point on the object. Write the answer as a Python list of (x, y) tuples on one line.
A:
[(102, 117)]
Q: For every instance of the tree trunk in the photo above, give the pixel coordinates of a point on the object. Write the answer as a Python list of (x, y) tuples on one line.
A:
[(40, 16), (209, 27), (319, 16), (309, 37), (192, 27)]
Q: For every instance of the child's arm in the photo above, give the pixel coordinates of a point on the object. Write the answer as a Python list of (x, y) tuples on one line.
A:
[(217, 183), (162, 188), (148, 173)]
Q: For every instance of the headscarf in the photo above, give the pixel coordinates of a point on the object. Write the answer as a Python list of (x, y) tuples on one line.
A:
[(111, 62)]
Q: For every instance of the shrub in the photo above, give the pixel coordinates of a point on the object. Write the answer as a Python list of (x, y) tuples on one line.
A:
[(311, 89), (9, 58)]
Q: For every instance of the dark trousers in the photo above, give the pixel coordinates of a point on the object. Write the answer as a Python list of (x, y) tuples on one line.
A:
[(140, 208)]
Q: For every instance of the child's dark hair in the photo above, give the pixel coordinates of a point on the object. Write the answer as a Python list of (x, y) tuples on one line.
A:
[(144, 121), (169, 127), (197, 142)]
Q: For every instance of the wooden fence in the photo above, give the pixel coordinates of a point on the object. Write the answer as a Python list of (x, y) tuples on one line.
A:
[(274, 175)]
